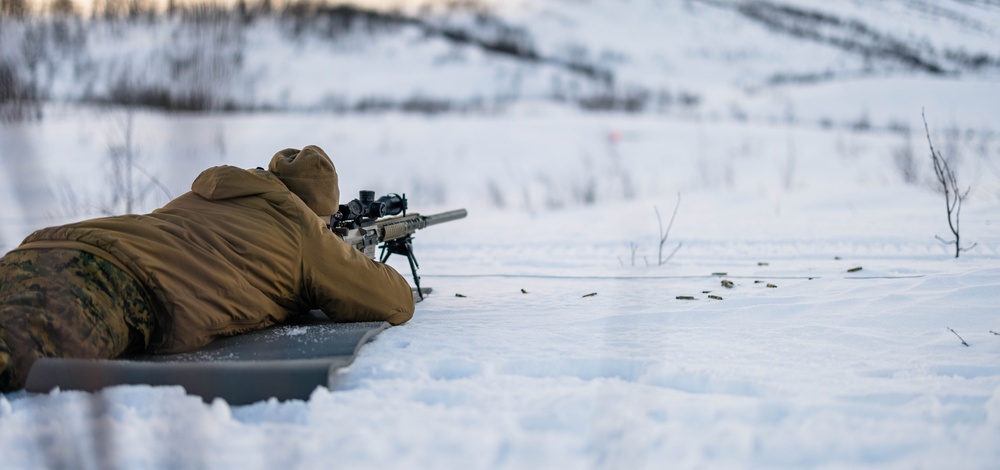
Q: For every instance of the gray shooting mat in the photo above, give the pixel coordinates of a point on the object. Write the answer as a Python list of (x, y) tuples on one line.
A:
[(285, 362)]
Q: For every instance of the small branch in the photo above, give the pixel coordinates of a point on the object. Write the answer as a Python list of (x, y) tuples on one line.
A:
[(154, 180), (672, 253), (946, 242), (994, 332), (959, 337), (665, 235)]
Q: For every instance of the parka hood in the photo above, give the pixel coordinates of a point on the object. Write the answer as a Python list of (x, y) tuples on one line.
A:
[(227, 182), (310, 174)]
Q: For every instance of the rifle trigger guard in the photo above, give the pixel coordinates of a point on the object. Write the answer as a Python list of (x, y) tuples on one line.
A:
[(368, 242)]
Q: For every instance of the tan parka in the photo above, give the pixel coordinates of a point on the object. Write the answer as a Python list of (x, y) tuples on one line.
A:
[(239, 252)]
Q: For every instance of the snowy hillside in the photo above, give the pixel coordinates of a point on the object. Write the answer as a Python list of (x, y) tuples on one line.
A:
[(788, 134), (749, 59)]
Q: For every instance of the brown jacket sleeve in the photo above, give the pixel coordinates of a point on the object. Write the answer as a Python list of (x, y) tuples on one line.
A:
[(346, 284)]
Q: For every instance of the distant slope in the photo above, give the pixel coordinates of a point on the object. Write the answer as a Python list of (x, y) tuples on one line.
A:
[(691, 58)]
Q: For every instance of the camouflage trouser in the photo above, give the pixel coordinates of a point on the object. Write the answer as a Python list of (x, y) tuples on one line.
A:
[(66, 303)]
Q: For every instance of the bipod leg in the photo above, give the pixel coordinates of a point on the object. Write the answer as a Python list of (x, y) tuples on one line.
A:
[(404, 246)]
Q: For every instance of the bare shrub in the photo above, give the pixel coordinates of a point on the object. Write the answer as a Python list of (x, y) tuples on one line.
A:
[(208, 12), (664, 235), (35, 52), (374, 104), (632, 248), (953, 195), (198, 69), (862, 124), (18, 97), (585, 191), (122, 9), (689, 99), (632, 100), (110, 8), (417, 104), (905, 161), (63, 8), (496, 194), (68, 36), (425, 105), (15, 8), (127, 189), (333, 22)]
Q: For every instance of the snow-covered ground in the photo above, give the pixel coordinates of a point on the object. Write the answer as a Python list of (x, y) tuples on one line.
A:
[(778, 185)]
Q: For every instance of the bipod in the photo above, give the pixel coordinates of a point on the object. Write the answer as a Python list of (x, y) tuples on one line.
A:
[(403, 246)]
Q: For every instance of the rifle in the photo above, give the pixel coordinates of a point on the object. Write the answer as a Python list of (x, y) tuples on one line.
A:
[(365, 222)]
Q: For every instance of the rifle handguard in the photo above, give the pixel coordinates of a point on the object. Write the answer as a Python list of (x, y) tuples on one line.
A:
[(403, 227)]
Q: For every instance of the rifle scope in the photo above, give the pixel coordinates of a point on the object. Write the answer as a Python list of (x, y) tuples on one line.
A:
[(366, 206)]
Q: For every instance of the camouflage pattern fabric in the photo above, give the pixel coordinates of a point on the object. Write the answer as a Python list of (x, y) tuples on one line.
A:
[(67, 303)]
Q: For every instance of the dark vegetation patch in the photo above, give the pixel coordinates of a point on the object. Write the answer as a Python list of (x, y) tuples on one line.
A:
[(857, 37), (18, 96), (488, 33), (203, 62)]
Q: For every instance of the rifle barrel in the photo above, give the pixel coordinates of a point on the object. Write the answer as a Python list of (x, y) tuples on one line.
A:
[(445, 217)]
